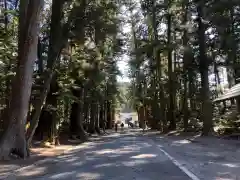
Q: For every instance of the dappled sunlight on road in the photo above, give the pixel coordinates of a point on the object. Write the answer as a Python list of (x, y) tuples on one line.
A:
[(133, 163), (72, 159), (113, 135), (63, 175), (141, 156), (180, 142), (78, 163), (33, 171), (104, 165), (128, 156), (88, 175), (103, 151), (109, 160), (231, 165)]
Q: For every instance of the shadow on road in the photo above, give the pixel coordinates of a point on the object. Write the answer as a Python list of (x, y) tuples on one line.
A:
[(118, 156)]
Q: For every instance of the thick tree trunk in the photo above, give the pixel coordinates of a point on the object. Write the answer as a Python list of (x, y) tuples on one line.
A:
[(86, 113), (13, 140), (104, 117), (52, 100), (77, 117), (37, 109), (56, 43), (66, 108), (40, 56), (73, 119), (191, 87), (109, 116), (102, 120), (44, 124), (97, 123), (171, 114), (91, 127), (142, 117), (113, 114), (76, 125), (186, 61), (185, 106), (205, 91), (82, 133), (163, 111)]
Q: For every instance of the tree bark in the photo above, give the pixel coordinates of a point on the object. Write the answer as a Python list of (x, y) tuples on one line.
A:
[(97, 122), (82, 133), (77, 116), (13, 140), (38, 108), (205, 91), (171, 116), (91, 127), (108, 115), (56, 43), (186, 61)]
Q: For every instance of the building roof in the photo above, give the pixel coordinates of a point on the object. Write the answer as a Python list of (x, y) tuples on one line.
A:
[(231, 93)]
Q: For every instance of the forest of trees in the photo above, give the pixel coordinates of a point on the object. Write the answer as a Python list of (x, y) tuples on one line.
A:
[(58, 62), (58, 66), (179, 51)]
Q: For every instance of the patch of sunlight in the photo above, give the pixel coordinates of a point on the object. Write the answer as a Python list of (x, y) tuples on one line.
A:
[(83, 146), (184, 141), (33, 171), (87, 144), (114, 155), (63, 175), (80, 163), (160, 146), (220, 178), (215, 155), (104, 151), (72, 159), (90, 158), (124, 151), (113, 151), (141, 156), (87, 175), (104, 165), (64, 157), (132, 147), (112, 135), (134, 163), (27, 126), (143, 145), (231, 165)]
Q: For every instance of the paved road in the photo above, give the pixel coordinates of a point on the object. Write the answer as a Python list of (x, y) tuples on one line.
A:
[(116, 157)]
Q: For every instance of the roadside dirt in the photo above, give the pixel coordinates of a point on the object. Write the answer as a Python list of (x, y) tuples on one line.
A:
[(38, 152)]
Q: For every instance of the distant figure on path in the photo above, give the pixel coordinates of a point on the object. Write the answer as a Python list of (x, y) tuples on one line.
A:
[(144, 126), (116, 127), (122, 125), (130, 124)]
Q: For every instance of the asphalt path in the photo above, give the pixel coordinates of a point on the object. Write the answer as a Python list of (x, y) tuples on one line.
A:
[(119, 156)]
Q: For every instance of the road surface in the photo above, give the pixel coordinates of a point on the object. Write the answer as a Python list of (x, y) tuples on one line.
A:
[(115, 157)]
